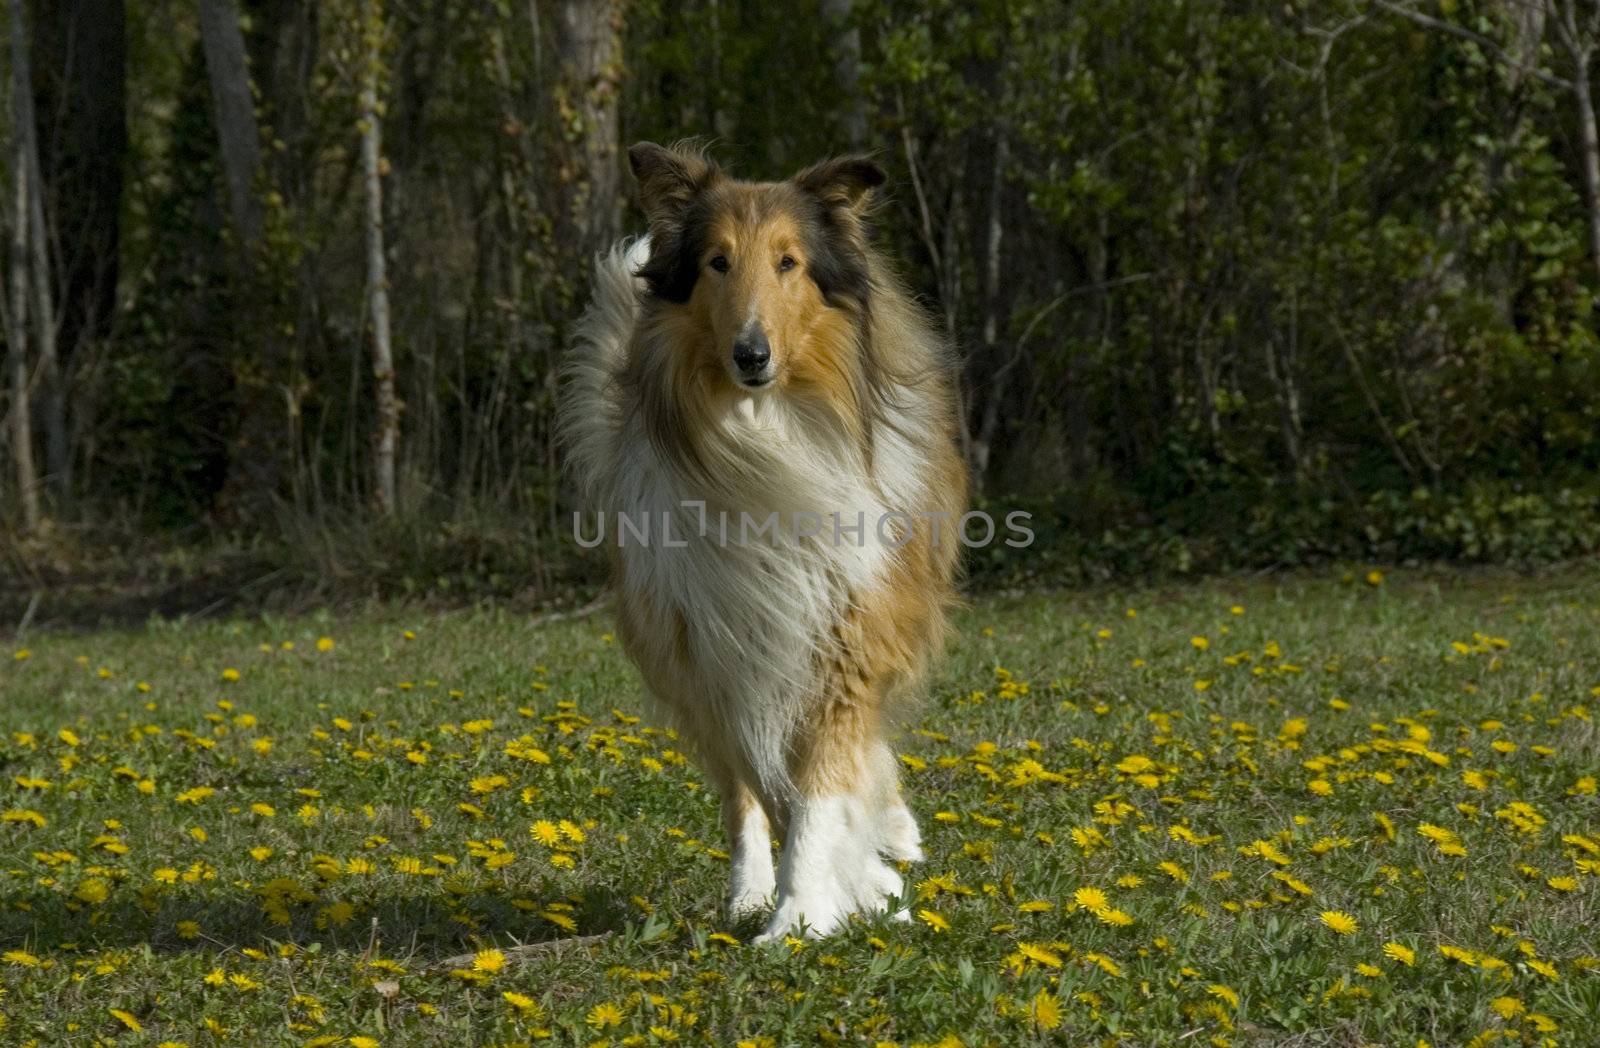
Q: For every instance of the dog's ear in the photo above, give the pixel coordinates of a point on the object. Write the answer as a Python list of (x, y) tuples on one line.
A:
[(844, 182), (669, 178)]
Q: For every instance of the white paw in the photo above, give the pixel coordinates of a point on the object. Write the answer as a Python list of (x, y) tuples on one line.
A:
[(902, 839), (882, 881), (864, 888), (818, 917), (746, 901)]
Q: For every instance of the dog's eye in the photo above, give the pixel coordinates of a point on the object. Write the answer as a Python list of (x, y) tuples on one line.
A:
[(785, 264), (720, 263)]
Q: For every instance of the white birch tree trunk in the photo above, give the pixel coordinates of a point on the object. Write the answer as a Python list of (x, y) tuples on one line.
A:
[(1579, 43), (847, 68), (387, 436), (17, 315)]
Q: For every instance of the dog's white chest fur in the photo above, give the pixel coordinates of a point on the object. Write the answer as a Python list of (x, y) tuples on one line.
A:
[(758, 596)]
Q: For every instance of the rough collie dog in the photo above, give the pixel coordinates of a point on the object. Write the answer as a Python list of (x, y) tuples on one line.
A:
[(753, 382)]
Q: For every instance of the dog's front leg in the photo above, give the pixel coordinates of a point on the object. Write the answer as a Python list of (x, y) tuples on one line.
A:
[(750, 837), (809, 888)]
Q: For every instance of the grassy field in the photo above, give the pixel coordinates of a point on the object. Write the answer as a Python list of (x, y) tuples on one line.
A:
[(1318, 810)]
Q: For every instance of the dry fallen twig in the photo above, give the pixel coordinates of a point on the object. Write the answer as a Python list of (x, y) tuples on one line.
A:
[(522, 953)]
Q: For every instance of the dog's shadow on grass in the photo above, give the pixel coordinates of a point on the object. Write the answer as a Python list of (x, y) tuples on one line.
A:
[(215, 918)]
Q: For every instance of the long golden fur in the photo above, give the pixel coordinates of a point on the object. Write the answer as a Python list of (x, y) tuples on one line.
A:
[(755, 356)]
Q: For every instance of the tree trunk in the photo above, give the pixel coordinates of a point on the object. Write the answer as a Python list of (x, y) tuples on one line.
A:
[(387, 435), (17, 315), (847, 70), (588, 43), (1580, 46), (235, 114), (260, 454), (1527, 18), (81, 137), (46, 332), (995, 369), (1588, 148)]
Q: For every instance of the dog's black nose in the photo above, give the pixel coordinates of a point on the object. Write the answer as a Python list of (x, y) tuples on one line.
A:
[(752, 352)]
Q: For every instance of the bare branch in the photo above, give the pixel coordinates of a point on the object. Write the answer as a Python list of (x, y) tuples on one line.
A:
[(1500, 53), (1580, 46)]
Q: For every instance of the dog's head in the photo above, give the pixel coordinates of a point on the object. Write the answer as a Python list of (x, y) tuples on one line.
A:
[(771, 279)]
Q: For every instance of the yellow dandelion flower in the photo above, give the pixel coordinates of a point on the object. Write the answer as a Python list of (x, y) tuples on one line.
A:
[(1507, 1007), (21, 815), (934, 920), (603, 1015), (1105, 963), (324, 643), (1400, 952), (527, 1007), (1045, 1010), (546, 832), (1039, 954), (1341, 923), (1225, 993), (488, 961), (1090, 899), (127, 1019), (560, 920), (93, 890), (1544, 968)]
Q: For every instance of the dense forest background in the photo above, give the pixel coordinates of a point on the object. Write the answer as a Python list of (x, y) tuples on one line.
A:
[(1232, 282)]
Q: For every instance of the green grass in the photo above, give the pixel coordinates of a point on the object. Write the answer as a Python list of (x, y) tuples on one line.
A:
[(1221, 795)]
